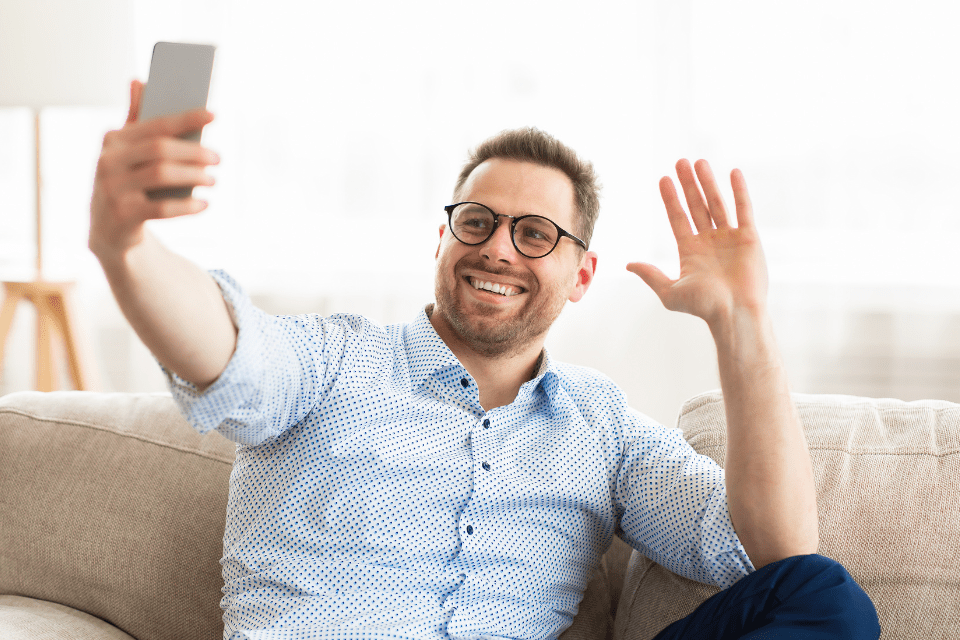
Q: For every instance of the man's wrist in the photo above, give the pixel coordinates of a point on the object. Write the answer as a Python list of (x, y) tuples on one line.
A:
[(742, 330), (115, 256)]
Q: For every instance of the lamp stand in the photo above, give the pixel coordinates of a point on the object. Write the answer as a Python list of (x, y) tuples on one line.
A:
[(51, 303)]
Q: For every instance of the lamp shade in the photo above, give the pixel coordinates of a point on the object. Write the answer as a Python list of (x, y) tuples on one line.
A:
[(65, 52)]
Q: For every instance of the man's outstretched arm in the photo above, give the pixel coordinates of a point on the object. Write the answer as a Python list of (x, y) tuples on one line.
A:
[(723, 279), (173, 305)]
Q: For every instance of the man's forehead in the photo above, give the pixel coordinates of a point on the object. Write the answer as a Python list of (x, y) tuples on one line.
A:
[(514, 187)]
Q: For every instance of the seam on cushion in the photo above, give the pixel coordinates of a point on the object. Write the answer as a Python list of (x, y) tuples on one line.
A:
[(849, 401), (908, 405), (633, 596), (64, 605), (861, 452), (96, 427), (927, 581)]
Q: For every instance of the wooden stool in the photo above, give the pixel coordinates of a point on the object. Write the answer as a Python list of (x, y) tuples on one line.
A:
[(53, 316)]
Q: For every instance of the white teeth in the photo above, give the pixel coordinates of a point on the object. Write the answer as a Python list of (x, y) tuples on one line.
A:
[(495, 288)]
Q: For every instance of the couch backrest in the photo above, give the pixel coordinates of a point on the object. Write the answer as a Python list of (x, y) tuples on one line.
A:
[(888, 487), (112, 504)]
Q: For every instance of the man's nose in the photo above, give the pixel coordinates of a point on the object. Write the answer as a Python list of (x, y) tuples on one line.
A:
[(499, 246)]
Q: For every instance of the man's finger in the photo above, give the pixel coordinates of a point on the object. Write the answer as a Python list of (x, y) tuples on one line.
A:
[(715, 204), (741, 198), (675, 213), (655, 279), (136, 92), (169, 174), (698, 208), (174, 126), (168, 149), (175, 207)]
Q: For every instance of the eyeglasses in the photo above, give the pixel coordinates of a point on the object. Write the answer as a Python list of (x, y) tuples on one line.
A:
[(473, 223)]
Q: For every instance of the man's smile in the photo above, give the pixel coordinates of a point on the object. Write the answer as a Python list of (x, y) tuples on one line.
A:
[(494, 286)]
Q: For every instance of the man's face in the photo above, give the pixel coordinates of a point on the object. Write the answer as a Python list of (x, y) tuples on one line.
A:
[(489, 322)]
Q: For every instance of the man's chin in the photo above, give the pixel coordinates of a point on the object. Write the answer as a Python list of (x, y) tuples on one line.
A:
[(496, 330), (489, 336)]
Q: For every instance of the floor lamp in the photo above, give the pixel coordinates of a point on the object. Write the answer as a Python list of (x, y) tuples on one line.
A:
[(58, 53)]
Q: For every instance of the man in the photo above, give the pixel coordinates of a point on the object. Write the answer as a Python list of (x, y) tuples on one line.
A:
[(445, 478)]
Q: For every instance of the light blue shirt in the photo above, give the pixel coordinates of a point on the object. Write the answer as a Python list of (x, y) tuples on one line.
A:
[(373, 497)]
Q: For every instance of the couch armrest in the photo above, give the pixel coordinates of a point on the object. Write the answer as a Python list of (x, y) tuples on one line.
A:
[(887, 473), (113, 505)]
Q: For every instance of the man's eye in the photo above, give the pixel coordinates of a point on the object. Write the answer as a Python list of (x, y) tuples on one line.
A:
[(535, 231), (475, 223)]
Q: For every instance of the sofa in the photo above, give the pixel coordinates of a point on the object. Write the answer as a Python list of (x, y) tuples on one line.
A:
[(112, 516)]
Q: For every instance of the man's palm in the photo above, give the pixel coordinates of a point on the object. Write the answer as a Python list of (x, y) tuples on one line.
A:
[(722, 267)]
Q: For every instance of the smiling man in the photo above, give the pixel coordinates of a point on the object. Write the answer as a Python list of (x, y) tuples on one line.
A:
[(503, 278), (445, 478)]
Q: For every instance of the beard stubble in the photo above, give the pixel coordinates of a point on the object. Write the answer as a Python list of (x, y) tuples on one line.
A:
[(493, 336)]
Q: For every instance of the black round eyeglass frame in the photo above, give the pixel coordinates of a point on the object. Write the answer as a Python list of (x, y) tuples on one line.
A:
[(561, 232)]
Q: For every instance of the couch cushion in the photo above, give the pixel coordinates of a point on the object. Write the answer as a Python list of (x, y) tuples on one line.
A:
[(111, 504), (887, 474), (593, 620), (29, 619)]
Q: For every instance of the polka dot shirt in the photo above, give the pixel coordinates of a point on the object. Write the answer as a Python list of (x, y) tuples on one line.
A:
[(373, 497)]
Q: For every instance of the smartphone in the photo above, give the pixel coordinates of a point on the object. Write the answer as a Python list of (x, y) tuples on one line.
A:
[(179, 81)]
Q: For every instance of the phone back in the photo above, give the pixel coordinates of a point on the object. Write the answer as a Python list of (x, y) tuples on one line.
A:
[(179, 81)]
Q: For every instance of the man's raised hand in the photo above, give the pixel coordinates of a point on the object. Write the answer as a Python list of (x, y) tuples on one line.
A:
[(139, 157), (723, 279), (722, 267)]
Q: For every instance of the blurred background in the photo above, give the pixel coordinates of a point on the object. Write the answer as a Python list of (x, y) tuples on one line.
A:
[(335, 120)]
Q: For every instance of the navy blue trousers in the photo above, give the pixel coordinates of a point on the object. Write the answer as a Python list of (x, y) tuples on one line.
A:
[(800, 597)]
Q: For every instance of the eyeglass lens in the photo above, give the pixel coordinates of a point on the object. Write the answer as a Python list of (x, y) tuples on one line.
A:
[(534, 236)]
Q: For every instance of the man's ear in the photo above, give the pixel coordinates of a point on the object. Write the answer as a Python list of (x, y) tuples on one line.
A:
[(585, 274), (443, 227)]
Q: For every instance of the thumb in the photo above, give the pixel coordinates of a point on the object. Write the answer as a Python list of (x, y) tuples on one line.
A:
[(136, 93), (655, 279)]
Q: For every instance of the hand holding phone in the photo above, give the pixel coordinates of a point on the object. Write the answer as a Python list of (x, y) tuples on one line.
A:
[(179, 81)]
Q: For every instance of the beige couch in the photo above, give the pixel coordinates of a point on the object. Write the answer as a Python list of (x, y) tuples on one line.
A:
[(112, 514)]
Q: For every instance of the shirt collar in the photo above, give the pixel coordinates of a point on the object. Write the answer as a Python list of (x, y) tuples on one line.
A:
[(426, 350), (544, 377), (428, 353)]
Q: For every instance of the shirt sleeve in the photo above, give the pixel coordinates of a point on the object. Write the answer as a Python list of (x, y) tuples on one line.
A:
[(674, 505), (272, 381)]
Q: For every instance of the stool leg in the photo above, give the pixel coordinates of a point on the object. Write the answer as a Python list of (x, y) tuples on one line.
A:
[(57, 304), (46, 375), (6, 320)]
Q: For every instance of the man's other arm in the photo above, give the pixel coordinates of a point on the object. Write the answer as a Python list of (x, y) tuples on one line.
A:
[(174, 306), (723, 279)]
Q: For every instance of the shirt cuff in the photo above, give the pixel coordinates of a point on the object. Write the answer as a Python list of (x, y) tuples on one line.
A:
[(728, 561), (235, 388)]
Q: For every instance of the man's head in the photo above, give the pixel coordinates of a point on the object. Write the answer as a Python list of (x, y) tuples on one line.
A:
[(537, 147), (492, 298)]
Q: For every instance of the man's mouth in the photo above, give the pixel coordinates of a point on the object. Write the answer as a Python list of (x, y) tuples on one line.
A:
[(494, 287)]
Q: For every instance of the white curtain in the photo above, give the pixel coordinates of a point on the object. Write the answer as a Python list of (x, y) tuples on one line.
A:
[(338, 121)]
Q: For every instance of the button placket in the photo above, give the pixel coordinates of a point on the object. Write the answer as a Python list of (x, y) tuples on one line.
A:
[(482, 452), (475, 435)]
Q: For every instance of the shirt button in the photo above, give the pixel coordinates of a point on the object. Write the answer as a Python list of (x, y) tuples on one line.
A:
[(464, 382), (469, 529), (486, 424), (486, 466)]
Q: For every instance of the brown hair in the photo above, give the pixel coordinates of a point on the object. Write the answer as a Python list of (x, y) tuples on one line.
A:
[(532, 145)]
